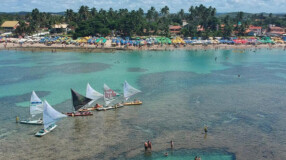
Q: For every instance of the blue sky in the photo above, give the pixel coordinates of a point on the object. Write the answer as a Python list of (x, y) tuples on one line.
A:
[(252, 6)]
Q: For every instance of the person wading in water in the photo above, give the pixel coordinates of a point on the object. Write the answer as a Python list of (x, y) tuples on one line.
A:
[(146, 146), (150, 145)]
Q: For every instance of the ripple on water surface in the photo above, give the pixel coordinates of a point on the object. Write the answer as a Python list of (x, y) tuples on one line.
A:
[(243, 113)]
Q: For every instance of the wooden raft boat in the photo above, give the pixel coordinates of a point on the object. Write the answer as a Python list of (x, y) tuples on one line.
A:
[(132, 103), (73, 114)]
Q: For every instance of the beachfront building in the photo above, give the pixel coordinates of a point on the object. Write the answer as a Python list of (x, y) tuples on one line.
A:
[(10, 26), (275, 31), (59, 28), (175, 30), (184, 23), (254, 30)]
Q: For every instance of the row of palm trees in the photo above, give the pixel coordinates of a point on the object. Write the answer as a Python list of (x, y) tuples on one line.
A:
[(90, 21)]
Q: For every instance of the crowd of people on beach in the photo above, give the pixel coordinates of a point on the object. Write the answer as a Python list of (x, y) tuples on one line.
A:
[(143, 45)]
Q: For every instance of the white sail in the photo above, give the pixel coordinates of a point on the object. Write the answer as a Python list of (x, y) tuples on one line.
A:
[(129, 90), (50, 115), (92, 94), (36, 105), (109, 95)]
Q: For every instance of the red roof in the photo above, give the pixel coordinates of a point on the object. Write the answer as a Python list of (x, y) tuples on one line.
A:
[(175, 27), (254, 27), (274, 32), (275, 28)]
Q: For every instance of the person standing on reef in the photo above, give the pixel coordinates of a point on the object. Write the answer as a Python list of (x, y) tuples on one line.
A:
[(206, 129), (172, 144), (150, 145), (146, 146)]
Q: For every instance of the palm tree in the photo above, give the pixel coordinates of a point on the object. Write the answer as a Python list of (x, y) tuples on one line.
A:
[(150, 13), (181, 14), (239, 16), (83, 13), (36, 15), (111, 13), (35, 19), (165, 11), (69, 15), (93, 11), (22, 29)]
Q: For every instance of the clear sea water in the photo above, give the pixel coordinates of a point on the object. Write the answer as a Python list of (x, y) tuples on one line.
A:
[(181, 92)]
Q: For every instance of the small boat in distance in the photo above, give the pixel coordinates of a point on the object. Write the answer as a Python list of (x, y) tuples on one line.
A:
[(36, 108), (79, 101), (50, 116), (109, 96), (128, 92), (94, 95)]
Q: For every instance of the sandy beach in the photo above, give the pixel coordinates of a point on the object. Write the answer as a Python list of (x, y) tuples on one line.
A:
[(109, 48)]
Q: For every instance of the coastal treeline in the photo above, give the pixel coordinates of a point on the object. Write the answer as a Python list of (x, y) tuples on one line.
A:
[(199, 21)]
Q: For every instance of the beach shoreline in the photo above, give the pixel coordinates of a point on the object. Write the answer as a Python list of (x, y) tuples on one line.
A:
[(109, 49)]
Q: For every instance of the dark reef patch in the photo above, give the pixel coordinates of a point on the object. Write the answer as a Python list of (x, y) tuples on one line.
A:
[(9, 103), (14, 74), (136, 69)]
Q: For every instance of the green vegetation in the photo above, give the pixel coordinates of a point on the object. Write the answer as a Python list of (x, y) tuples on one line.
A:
[(202, 21)]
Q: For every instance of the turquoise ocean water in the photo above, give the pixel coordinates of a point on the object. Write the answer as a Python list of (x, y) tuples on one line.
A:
[(181, 91)]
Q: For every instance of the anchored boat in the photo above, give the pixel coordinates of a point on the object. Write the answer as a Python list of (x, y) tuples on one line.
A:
[(109, 96), (79, 101), (128, 92), (94, 95), (36, 108), (50, 117)]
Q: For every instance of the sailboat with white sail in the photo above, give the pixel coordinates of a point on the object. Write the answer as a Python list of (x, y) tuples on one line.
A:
[(50, 117), (79, 101), (128, 92), (109, 96), (36, 108), (94, 95)]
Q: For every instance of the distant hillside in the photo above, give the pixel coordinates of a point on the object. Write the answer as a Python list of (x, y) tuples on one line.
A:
[(24, 13), (15, 13), (233, 14)]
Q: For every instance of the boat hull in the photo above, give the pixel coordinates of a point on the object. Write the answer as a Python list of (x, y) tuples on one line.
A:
[(43, 132), (132, 103), (85, 113), (32, 122), (104, 108), (90, 109), (109, 108)]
